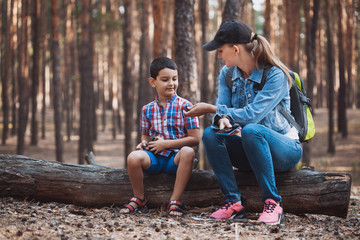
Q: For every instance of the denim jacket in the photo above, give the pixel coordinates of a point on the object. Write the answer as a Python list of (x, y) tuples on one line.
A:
[(246, 104)]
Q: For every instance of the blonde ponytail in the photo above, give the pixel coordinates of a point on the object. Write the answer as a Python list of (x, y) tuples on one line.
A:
[(264, 54)]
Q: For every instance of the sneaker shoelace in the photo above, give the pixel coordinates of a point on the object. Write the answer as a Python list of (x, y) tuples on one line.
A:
[(227, 205), (270, 207)]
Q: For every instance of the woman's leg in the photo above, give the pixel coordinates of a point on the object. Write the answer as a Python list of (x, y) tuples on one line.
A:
[(216, 148), (269, 152)]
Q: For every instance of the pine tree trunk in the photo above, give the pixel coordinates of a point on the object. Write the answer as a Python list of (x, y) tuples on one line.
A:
[(23, 76), (342, 95), (232, 11), (36, 70), (145, 92), (330, 71), (86, 80), (185, 49), (310, 48), (55, 55), (6, 67), (14, 77), (127, 81), (43, 64)]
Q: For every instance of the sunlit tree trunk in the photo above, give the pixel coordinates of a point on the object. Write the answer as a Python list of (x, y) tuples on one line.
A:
[(145, 92), (68, 62), (14, 72), (185, 49), (158, 15), (350, 49), (43, 64), (127, 81), (292, 26), (102, 62), (55, 56)]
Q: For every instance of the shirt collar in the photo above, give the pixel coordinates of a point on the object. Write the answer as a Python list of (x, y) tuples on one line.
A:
[(172, 99)]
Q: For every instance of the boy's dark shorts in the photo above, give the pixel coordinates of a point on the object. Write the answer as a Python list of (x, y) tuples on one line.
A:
[(161, 164)]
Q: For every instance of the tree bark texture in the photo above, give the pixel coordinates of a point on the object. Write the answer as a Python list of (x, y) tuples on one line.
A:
[(35, 70), (342, 95), (86, 81), (185, 49), (303, 191), (331, 75), (55, 53), (232, 11), (23, 75), (145, 93), (128, 81)]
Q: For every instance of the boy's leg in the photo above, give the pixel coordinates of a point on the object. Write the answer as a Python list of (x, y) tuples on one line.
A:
[(184, 159), (136, 162)]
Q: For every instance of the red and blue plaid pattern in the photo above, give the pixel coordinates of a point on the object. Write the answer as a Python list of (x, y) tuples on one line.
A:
[(168, 122)]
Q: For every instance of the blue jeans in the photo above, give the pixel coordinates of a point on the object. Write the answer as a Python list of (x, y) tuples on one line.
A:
[(259, 149)]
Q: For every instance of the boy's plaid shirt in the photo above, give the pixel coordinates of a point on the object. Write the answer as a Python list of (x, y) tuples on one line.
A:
[(168, 122)]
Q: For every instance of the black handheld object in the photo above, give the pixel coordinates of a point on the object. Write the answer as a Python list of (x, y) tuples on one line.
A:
[(228, 131)]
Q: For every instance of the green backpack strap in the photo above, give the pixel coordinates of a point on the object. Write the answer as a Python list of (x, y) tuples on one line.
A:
[(279, 107)]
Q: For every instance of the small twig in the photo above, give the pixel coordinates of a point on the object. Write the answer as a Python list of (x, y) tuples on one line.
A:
[(90, 158)]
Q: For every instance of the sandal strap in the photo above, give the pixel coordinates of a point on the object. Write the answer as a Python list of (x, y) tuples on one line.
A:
[(175, 203), (139, 202)]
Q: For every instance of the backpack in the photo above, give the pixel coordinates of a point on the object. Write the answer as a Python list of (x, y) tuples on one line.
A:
[(300, 104)]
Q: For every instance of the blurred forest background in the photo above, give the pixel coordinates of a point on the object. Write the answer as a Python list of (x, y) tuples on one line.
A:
[(85, 63)]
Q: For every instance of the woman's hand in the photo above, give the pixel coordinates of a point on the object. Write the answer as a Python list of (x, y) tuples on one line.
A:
[(200, 109), (157, 145), (224, 123)]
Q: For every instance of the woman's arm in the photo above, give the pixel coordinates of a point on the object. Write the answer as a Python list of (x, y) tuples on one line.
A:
[(200, 109)]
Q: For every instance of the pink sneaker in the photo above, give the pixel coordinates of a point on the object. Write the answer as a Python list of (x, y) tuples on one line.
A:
[(272, 213), (229, 211)]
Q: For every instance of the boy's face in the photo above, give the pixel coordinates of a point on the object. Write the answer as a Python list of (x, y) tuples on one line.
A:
[(166, 82)]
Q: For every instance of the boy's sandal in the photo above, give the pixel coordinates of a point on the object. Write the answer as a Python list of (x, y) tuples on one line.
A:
[(140, 205), (175, 206)]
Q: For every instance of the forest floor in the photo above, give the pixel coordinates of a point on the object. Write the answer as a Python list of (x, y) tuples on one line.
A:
[(21, 219)]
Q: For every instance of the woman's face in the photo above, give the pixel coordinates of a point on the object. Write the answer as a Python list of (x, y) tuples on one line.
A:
[(227, 53)]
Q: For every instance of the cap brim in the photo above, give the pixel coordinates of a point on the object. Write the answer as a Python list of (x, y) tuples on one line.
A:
[(212, 45)]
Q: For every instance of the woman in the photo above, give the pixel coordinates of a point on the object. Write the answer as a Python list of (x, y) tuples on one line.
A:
[(268, 142)]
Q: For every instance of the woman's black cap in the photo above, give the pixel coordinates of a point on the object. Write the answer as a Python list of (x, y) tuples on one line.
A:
[(230, 32)]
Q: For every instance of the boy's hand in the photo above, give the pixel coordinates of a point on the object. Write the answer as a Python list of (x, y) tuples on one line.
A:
[(143, 145), (157, 145)]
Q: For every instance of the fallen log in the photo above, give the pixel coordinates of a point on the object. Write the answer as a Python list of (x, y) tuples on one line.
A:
[(303, 191)]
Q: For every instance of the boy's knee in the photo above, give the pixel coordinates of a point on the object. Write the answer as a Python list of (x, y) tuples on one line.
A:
[(134, 158), (188, 151)]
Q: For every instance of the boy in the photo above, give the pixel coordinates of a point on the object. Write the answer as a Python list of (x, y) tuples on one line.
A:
[(166, 141)]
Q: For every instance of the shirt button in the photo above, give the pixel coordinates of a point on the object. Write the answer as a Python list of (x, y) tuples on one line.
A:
[(249, 95), (164, 119)]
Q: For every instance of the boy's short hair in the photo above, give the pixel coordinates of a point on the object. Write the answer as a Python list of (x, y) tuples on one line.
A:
[(160, 63)]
